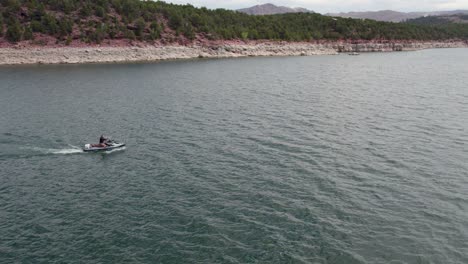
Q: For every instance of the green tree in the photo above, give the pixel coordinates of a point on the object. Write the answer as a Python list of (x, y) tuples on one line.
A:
[(49, 24), (175, 20), (36, 26), (12, 6), (188, 31), (245, 35), (1, 25), (14, 31), (99, 11), (38, 12), (155, 31), (68, 41), (129, 34), (85, 11), (140, 25), (153, 35), (28, 33), (65, 27)]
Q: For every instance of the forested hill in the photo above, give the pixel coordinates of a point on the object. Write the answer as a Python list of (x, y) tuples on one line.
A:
[(440, 20), (95, 21)]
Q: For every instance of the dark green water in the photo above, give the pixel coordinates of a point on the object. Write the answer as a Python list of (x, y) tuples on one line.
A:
[(331, 159)]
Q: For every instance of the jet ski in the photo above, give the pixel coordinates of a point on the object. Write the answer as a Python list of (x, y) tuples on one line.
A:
[(109, 145)]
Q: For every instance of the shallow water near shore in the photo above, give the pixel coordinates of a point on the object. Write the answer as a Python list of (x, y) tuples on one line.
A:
[(325, 159)]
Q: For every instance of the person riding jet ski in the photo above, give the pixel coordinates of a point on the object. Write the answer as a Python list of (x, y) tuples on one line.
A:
[(102, 142)]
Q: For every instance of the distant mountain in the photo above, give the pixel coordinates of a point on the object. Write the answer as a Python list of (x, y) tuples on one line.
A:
[(271, 9), (394, 16), (440, 20)]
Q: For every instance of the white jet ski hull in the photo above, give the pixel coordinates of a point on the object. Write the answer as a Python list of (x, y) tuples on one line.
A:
[(89, 148)]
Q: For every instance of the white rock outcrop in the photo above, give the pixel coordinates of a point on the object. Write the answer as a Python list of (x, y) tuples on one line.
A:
[(48, 55)]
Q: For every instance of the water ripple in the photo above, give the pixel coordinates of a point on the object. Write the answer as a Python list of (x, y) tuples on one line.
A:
[(326, 159)]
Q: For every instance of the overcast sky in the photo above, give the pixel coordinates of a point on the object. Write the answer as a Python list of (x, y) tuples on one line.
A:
[(325, 6)]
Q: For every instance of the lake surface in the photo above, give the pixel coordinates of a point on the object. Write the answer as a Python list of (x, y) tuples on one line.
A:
[(326, 159)]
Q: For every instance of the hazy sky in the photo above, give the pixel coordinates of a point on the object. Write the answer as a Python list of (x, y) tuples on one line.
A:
[(324, 6)]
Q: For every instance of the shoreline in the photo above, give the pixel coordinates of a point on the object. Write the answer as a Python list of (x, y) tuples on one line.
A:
[(150, 53)]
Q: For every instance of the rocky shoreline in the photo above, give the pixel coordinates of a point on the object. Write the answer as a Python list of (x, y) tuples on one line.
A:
[(103, 54)]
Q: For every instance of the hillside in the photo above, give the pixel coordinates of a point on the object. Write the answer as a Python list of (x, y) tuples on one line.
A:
[(120, 22), (440, 20), (394, 16), (270, 9)]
